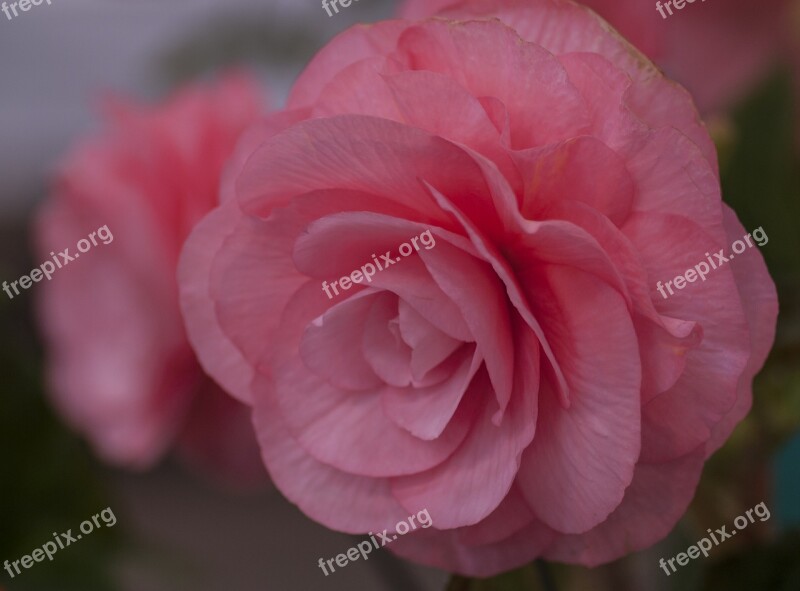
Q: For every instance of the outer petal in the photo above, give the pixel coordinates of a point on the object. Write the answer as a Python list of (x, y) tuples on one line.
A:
[(217, 354), (582, 458), (426, 100), (341, 501), (563, 27), (445, 550), (760, 302), (354, 44), (490, 60), (678, 420), (582, 169), (360, 154), (249, 141), (656, 499)]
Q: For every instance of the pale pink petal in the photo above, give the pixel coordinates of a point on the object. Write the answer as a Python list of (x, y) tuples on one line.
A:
[(345, 429), (320, 253), (353, 45), (490, 253), (473, 482), (355, 153), (483, 309), (687, 186), (429, 345), (250, 139), (381, 343), (341, 501), (580, 463), (510, 517), (445, 550), (492, 62), (426, 411), (216, 352), (760, 302), (566, 27), (581, 169), (656, 499), (331, 347), (680, 419)]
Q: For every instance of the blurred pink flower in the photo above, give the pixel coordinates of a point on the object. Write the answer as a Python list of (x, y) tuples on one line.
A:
[(522, 381), (121, 370), (718, 50)]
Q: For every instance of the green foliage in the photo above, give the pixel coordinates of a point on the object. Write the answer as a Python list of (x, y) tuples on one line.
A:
[(761, 176), (768, 567)]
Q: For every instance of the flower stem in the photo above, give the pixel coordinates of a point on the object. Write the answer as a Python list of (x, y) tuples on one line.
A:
[(458, 583), (546, 575)]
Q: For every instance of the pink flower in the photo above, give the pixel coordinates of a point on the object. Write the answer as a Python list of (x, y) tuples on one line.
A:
[(718, 50), (121, 369), (522, 380)]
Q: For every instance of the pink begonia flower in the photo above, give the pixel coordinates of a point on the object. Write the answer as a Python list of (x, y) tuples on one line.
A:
[(121, 369), (719, 50), (522, 380)]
